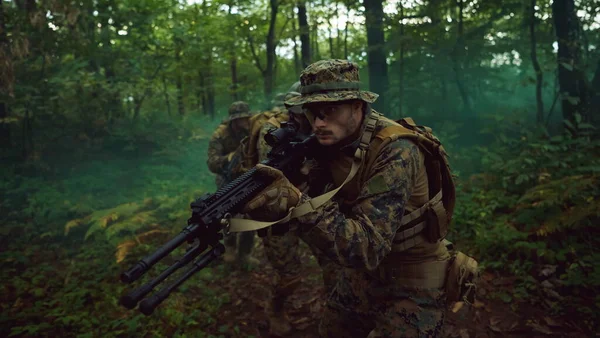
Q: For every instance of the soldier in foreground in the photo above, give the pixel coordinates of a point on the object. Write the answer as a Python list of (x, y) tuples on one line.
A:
[(222, 147), (384, 225)]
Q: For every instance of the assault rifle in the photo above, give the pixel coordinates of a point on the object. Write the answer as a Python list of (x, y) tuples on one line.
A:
[(210, 214)]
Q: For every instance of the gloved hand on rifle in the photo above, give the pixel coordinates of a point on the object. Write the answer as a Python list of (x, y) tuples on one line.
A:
[(275, 201)]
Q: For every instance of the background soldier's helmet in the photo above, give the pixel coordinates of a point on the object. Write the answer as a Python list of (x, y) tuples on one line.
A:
[(330, 81), (294, 91), (238, 110), (278, 100)]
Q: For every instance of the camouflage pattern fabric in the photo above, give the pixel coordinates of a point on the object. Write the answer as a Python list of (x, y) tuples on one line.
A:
[(221, 144), (282, 251), (223, 151), (395, 312), (359, 236), (330, 81), (238, 110)]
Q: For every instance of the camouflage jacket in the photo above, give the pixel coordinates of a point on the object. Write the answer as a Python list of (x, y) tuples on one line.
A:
[(359, 233), (222, 143)]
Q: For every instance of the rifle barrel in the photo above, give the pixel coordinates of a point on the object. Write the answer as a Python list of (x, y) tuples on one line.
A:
[(131, 299), (147, 262), (148, 305)]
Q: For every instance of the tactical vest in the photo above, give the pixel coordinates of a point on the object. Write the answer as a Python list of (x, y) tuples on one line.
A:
[(429, 210), (250, 143)]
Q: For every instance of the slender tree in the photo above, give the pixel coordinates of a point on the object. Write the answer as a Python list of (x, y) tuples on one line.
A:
[(458, 58), (377, 63), (539, 77), (6, 80), (572, 82), (305, 49)]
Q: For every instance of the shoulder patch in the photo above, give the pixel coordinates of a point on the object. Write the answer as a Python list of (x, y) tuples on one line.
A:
[(377, 185)]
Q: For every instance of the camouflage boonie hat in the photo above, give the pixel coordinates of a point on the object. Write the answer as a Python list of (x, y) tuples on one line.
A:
[(238, 110), (330, 81)]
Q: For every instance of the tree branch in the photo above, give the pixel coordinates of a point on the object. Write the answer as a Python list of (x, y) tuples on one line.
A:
[(282, 29), (254, 55)]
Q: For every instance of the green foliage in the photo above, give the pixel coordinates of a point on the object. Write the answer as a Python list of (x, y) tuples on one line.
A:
[(537, 205), (61, 280), (107, 107)]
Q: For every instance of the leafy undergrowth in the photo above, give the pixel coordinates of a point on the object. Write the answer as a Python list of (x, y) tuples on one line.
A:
[(531, 220), (534, 215)]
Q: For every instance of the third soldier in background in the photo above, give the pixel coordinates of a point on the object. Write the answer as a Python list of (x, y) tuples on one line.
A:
[(222, 148)]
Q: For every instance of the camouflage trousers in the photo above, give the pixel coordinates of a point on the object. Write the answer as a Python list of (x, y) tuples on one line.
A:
[(282, 252), (361, 306), (243, 241)]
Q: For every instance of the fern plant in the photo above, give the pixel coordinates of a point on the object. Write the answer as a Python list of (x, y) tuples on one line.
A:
[(130, 224)]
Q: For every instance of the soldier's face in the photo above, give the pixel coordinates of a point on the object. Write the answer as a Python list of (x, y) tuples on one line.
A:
[(333, 122), (240, 126)]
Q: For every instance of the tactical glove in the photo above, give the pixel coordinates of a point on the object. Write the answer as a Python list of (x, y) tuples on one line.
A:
[(275, 201)]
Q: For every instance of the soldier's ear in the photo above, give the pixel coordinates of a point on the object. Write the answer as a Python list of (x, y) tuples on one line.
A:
[(357, 107)]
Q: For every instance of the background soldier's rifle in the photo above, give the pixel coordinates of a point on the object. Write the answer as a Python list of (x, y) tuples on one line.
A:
[(209, 218)]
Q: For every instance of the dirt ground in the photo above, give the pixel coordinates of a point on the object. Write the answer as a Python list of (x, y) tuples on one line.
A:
[(250, 294)]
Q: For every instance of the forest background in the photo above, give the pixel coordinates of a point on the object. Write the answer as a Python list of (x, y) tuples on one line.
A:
[(106, 108)]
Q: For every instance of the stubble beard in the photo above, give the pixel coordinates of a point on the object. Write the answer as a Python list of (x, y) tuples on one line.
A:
[(351, 126)]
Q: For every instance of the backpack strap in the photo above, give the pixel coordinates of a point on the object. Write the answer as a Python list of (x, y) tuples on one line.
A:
[(358, 159), (430, 221)]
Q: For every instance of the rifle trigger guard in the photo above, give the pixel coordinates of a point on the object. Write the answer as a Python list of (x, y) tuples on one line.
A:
[(226, 224)]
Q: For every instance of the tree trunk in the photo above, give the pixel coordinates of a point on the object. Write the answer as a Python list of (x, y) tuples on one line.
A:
[(330, 33), (146, 93), (166, 94), (346, 33), (338, 39), (202, 93), (377, 64), (297, 65), (304, 34), (595, 100), (331, 49), (401, 63), (269, 75), (24, 138), (234, 79), (574, 92), (6, 81), (233, 58), (441, 63), (107, 62), (4, 127), (178, 79), (315, 50), (539, 80), (596, 79), (458, 58), (210, 86)]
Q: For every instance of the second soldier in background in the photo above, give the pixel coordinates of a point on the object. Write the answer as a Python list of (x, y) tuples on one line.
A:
[(222, 148)]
